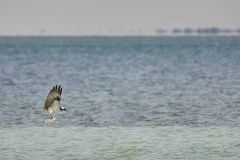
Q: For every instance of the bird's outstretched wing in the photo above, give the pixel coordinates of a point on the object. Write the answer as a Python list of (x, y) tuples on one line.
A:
[(53, 95)]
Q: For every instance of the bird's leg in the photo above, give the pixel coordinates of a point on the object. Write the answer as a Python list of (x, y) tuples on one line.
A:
[(50, 114), (50, 119)]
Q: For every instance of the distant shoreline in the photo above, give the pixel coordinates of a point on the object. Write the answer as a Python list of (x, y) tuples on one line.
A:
[(143, 35), (197, 32)]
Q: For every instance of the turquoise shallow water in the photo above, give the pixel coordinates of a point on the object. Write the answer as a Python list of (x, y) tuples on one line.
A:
[(169, 142), (127, 97)]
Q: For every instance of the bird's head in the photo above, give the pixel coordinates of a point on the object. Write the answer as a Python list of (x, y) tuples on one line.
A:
[(63, 109)]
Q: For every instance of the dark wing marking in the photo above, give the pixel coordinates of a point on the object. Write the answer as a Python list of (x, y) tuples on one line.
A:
[(53, 95)]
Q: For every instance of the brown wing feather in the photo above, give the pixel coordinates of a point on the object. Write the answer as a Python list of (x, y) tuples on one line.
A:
[(53, 95)]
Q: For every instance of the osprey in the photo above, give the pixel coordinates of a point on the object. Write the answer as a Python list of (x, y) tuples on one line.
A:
[(52, 103)]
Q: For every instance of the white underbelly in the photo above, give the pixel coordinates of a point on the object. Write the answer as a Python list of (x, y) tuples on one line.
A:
[(55, 107)]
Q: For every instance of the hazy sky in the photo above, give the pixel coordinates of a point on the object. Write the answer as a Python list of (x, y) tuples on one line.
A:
[(89, 17)]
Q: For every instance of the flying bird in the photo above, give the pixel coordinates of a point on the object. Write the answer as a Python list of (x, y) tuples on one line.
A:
[(52, 104)]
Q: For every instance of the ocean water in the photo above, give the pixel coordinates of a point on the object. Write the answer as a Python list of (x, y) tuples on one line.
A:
[(127, 97)]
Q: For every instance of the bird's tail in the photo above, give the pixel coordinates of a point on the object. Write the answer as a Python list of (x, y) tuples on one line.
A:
[(41, 111)]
